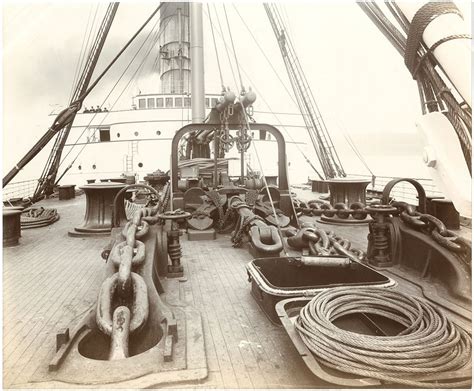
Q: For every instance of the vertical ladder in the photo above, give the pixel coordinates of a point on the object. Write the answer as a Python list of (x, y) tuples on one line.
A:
[(129, 158)]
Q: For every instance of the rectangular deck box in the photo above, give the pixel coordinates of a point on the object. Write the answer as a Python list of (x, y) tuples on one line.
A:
[(275, 279)]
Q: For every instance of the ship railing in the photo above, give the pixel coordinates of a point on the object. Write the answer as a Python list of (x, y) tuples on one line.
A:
[(22, 189), (402, 191)]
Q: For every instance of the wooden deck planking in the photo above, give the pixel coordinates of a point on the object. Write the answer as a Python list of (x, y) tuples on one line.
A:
[(251, 343), (51, 279), (206, 306), (268, 361)]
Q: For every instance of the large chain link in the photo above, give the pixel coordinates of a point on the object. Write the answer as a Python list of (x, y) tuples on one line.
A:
[(226, 139), (244, 227), (215, 198), (243, 140), (122, 306), (436, 228), (321, 242), (424, 222), (340, 210)]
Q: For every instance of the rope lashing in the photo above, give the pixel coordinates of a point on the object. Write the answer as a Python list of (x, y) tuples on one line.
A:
[(429, 347), (433, 48), (423, 17)]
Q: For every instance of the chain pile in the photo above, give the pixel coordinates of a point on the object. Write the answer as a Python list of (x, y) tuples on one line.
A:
[(430, 347), (436, 229), (215, 199), (244, 227), (38, 217), (424, 222), (323, 243)]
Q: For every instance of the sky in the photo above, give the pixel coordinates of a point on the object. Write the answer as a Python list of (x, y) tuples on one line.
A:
[(359, 81)]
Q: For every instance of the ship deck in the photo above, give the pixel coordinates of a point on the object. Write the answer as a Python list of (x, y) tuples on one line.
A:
[(51, 280)]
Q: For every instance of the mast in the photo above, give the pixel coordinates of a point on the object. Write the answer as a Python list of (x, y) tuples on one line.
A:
[(63, 122), (197, 58), (317, 130)]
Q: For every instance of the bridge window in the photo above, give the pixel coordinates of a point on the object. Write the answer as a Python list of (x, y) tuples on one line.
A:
[(151, 103), (213, 102), (159, 102), (169, 102), (207, 103), (141, 104), (187, 102), (178, 102)]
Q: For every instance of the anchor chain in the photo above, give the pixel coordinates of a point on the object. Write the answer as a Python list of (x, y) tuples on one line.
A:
[(215, 198), (122, 306), (318, 208), (229, 215), (321, 242), (244, 227), (426, 223), (434, 227), (251, 197), (243, 139), (225, 138)]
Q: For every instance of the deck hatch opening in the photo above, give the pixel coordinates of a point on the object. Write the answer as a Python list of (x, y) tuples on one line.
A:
[(280, 273), (275, 279)]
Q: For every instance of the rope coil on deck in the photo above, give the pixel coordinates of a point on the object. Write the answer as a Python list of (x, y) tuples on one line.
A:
[(431, 345)]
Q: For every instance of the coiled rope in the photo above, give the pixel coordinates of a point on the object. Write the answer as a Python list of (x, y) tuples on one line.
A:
[(430, 345)]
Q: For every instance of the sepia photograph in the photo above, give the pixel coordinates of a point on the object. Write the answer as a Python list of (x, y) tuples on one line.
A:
[(237, 194)]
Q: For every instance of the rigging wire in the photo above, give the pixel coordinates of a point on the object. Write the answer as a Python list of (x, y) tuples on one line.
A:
[(242, 88), (274, 114), (280, 233), (354, 148), (398, 15), (317, 129), (264, 55), (153, 42), (115, 85), (215, 46), (287, 27), (82, 52), (225, 45), (433, 90), (93, 85), (120, 95), (93, 117)]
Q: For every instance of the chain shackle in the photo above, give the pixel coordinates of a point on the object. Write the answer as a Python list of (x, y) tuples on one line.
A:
[(107, 296)]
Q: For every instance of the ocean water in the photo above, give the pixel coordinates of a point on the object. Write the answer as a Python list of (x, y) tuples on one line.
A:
[(381, 166)]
